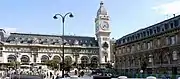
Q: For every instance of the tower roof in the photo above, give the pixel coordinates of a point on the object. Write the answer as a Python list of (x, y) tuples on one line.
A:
[(102, 10)]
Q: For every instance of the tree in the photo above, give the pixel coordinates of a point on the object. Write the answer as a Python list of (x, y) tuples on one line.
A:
[(67, 67), (54, 64), (14, 64)]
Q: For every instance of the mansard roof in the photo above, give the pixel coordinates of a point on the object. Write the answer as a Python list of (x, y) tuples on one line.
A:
[(50, 39), (161, 27)]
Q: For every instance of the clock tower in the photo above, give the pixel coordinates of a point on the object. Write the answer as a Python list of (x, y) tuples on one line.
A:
[(102, 31)]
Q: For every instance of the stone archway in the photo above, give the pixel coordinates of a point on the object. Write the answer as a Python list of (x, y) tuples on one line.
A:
[(11, 58), (68, 60), (44, 58), (94, 62), (57, 58), (25, 59), (84, 61)]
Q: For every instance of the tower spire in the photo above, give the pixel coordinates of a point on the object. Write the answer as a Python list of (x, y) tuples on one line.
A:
[(101, 3), (101, 10)]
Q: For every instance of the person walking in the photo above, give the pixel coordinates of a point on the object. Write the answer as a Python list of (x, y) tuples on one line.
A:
[(82, 73), (75, 72)]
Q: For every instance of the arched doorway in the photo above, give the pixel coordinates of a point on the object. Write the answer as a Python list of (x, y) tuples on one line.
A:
[(68, 63), (84, 61), (44, 58), (94, 62), (68, 60), (25, 59), (11, 58), (57, 58)]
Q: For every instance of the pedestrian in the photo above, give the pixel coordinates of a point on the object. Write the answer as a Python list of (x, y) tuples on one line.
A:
[(75, 72), (82, 73), (57, 76), (51, 74), (53, 77), (47, 74)]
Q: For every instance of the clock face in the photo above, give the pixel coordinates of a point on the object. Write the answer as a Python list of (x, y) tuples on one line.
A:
[(105, 25)]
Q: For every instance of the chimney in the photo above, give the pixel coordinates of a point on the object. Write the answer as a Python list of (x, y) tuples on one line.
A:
[(174, 15), (2, 32)]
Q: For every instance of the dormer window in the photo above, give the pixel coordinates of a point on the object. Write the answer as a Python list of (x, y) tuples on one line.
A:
[(128, 39), (172, 25), (154, 31), (76, 42), (133, 37), (91, 44), (16, 38), (148, 33), (21, 41), (123, 40), (166, 26), (138, 35), (65, 41), (151, 32), (84, 45), (41, 42), (30, 41), (141, 34), (158, 29), (144, 33), (162, 29), (176, 23)]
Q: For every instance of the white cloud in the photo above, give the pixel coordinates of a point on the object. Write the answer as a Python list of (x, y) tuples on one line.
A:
[(9, 30), (168, 8)]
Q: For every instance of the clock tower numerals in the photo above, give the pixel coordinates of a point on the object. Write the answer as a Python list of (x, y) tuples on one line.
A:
[(104, 25), (101, 25)]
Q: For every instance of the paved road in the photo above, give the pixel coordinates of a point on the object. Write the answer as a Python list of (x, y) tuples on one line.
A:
[(85, 77), (26, 77)]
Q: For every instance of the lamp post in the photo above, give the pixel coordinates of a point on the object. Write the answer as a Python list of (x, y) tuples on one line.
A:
[(63, 20), (17, 54)]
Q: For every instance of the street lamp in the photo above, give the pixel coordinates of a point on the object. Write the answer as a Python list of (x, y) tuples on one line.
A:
[(63, 20)]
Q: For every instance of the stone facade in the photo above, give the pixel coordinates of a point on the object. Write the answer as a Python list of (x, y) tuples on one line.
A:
[(36, 48), (154, 49)]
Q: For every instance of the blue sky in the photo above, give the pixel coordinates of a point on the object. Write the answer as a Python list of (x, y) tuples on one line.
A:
[(127, 16)]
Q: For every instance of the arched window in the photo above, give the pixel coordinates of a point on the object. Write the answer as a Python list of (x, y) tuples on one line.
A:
[(84, 61), (94, 62), (11, 58), (25, 58), (68, 60), (44, 58), (57, 58)]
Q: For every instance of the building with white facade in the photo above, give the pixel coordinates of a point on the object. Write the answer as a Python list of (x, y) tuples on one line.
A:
[(38, 48)]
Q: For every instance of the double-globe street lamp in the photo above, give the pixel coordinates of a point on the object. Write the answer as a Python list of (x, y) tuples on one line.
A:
[(63, 20)]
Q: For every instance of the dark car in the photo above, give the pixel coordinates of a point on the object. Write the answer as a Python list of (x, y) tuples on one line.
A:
[(105, 72), (97, 71)]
